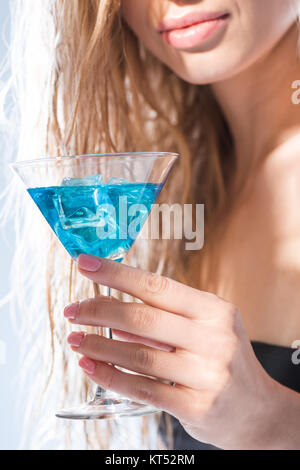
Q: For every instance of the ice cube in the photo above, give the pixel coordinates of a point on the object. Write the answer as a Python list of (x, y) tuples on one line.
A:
[(78, 208), (78, 218), (92, 180)]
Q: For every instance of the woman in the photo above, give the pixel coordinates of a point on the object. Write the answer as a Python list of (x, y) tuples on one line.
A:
[(126, 76)]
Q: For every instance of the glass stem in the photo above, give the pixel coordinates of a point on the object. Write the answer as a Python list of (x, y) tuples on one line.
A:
[(106, 332)]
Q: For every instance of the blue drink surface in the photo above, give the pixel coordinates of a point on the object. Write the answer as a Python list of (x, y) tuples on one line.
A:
[(101, 220)]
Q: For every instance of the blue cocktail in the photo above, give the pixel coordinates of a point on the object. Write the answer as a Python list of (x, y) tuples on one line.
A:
[(97, 205), (102, 220)]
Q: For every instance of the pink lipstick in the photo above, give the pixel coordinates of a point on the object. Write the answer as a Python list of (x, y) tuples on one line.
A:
[(191, 30)]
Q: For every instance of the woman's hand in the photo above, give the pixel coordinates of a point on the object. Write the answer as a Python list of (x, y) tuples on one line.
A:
[(221, 394)]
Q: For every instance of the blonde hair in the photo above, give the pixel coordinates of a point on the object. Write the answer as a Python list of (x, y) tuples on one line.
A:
[(82, 82)]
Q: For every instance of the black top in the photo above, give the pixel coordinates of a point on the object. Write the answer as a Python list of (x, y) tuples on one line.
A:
[(277, 362)]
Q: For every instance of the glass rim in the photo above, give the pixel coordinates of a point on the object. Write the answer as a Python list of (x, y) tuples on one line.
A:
[(116, 155)]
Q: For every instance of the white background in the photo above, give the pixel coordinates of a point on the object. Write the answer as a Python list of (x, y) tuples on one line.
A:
[(9, 359)]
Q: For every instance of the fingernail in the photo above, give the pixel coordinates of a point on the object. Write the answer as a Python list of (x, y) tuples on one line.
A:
[(87, 365), (89, 263), (71, 310), (75, 338)]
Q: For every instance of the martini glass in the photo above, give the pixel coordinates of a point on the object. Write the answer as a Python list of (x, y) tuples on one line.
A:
[(97, 204)]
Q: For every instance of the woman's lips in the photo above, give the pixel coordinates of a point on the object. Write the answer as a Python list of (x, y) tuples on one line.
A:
[(195, 34)]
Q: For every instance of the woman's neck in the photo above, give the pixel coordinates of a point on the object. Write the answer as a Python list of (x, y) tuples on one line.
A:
[(258, 105)]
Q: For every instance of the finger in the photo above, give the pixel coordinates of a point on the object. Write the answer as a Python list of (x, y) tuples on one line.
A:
[(135, 318), (139, 339), (174, 400), (152, 289), (138, 358), (130, 337)]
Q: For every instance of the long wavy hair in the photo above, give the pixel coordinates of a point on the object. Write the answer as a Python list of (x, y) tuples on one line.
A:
[(77, 80)]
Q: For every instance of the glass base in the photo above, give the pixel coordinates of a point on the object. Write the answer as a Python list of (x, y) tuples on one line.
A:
[(107, 408)]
